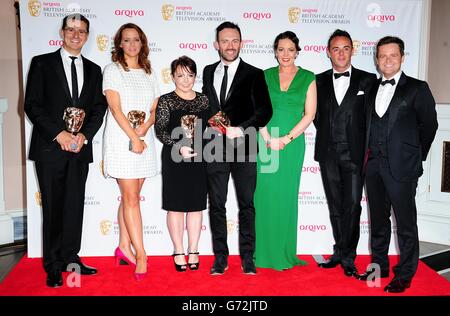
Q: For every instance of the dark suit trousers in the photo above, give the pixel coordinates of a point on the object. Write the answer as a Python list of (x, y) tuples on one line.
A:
[(244, 176), (62, 185), (383, 192), (343, 184)]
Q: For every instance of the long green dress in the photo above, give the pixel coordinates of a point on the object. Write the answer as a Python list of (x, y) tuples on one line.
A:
[(278, 179)]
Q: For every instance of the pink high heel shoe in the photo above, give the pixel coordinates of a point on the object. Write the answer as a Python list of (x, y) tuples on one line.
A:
[(140, 276), (121, 259)]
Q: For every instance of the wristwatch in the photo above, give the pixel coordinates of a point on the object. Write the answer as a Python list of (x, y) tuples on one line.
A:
[(290, 136)]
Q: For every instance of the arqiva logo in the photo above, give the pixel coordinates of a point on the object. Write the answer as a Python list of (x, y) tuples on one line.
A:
[(55, 42), (315, 48), (257, 15), (311, 169), (193, 46), (381, 17), (129, 13)]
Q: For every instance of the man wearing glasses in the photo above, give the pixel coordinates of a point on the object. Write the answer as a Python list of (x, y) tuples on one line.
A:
[(57, 81)]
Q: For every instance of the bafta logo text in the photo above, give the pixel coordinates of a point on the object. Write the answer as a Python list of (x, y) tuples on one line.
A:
[(230, 226), (34, 7), (167, 11), (165, 75), (38, 198), (105, 227), (293, 14), (356, 47), (102, 42)]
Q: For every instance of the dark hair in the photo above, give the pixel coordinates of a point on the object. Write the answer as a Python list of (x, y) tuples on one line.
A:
[(117, 52), (392, 40), (77, 17), (287, 35), (227, 25), (185, 63), (337, 33)]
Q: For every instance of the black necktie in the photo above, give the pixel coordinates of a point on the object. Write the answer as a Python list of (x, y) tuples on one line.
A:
[(391, 81), (74, 82), (345, 74), (223, 87)]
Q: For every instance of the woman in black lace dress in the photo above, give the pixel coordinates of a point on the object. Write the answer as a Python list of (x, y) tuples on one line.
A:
[(181, 118)]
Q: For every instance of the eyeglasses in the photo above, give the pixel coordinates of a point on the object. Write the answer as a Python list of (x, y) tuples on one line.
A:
[(72, 30)]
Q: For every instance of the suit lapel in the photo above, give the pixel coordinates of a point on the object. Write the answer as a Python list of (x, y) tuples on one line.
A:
[(329, 91), (87, 79), (214, 101), (238, 76), (59, 68), (397, 99), (371, 108)]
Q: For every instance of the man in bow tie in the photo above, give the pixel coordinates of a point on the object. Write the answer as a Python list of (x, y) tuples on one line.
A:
[(340, 123), (401, 125)]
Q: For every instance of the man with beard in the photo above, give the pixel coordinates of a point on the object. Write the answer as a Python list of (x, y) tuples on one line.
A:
[(240, 91)]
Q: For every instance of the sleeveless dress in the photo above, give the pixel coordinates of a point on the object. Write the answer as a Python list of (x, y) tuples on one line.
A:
[(278, 178), (137, 90)]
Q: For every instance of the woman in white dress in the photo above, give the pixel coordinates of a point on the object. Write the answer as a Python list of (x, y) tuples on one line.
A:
[(129, 153)]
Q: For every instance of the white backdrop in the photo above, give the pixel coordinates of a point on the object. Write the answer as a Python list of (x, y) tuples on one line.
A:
[(176, 28)]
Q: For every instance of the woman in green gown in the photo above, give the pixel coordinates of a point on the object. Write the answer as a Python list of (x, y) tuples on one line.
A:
[(282, 149)]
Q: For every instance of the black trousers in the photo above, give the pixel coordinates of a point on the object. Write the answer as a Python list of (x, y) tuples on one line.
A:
[(342, 182), (62, 184), (384, 192), (244, 176)]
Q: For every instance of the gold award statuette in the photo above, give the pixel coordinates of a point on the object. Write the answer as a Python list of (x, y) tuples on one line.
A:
[(220, 122), (73, 117), (136, 119), (188, 123)]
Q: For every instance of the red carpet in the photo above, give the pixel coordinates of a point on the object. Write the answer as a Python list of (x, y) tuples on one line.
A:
[(28, 278)]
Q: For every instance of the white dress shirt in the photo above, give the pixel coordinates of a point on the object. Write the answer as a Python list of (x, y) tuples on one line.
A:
[(218, 75), (385, 94), (67, 63), (341, 85)]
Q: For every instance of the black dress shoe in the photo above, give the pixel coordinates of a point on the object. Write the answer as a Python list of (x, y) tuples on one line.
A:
[(220, 265), (371, 274), (248, 266), (397, 286), (330, 263), (351, 272), (80, 267), (54, 279)]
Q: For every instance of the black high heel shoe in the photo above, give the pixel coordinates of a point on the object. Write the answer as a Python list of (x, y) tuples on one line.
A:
[(194, 265), (179, 267)]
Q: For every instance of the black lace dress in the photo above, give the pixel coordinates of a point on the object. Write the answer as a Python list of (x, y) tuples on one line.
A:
[(181, 122)]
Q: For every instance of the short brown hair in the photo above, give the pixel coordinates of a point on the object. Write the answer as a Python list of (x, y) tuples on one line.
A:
[(76, 17), (392, 40), (185, 63)]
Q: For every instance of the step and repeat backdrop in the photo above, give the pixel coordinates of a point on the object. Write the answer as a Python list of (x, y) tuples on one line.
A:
[(176, 28)]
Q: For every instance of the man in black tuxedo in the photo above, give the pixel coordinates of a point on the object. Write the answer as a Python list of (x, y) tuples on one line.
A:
[(342, 94), (401, 125), (62, 159), (239, 90)]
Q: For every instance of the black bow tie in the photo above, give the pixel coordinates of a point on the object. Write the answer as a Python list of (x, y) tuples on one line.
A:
[(345, 74), (391, 81)]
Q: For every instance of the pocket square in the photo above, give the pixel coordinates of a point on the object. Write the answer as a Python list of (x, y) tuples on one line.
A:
[(360, 92)]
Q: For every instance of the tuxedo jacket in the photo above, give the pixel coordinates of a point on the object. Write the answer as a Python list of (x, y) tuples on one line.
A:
[(354, 103), (47, 95), (412, 126), (247, 103)]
